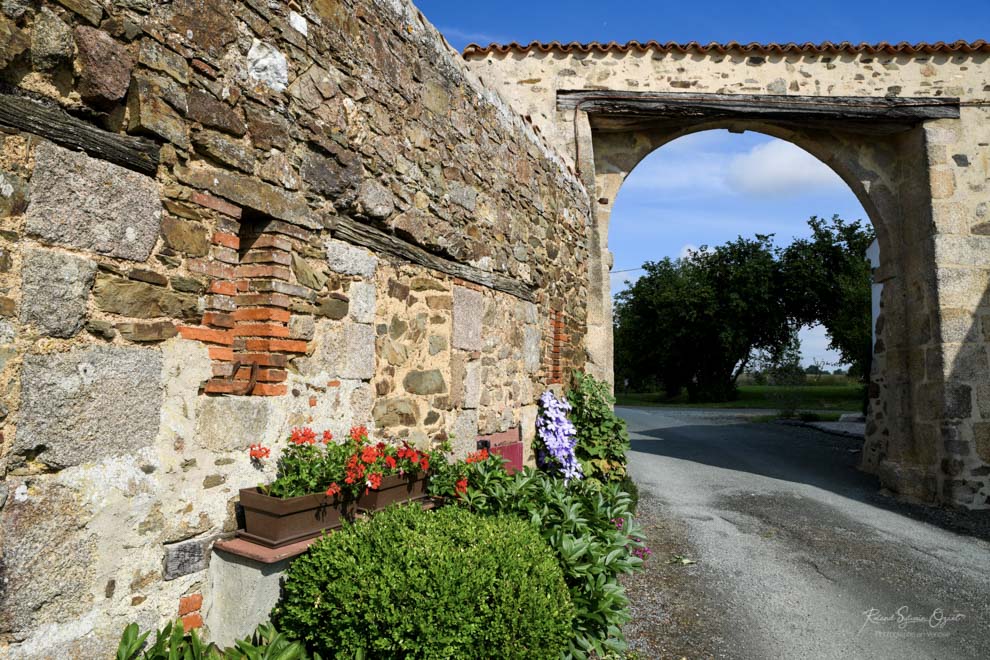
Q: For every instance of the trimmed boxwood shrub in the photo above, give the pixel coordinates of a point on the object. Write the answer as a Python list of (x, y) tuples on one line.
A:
[(428, 584)]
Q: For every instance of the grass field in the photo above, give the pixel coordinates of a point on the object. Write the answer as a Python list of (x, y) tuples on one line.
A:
[(843, 398)]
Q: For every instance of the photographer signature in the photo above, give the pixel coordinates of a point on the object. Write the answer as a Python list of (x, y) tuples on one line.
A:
[(903, 618)]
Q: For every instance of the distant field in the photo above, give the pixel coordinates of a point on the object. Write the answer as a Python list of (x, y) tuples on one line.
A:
[(846, 398)]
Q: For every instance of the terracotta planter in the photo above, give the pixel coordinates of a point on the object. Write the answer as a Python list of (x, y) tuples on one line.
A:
[(275, 522), (394, 489)]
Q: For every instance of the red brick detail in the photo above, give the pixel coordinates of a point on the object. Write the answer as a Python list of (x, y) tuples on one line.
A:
[(191, 603), (192, 621), (263, 359), (208, 335), (224, 386), (261, 314), (247, 321), (226, 255), (264, 375), (468, 285), (264, 389), (261, 330), (333, 383), (219, 320), (227, 240), (558, 336), (220, 303), (211, 268), (264, 299), (312, 402), (267, 256), (275, 345), (221, 354), (217, 204), (272, 241), (222, 369), (263, 271)]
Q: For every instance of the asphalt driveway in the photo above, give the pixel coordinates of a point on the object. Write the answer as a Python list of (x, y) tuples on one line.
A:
[(797, 553)]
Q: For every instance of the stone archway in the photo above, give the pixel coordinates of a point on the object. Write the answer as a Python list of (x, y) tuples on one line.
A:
[(919, 166), (878, 171)]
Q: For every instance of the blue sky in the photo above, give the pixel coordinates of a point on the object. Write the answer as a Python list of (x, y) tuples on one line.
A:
[(464, 21), (710, 187)]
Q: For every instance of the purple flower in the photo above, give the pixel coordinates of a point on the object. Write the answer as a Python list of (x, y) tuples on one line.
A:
[(558, 437)]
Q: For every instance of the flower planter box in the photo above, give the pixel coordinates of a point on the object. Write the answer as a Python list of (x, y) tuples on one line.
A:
[(275, 522), (394, 489)]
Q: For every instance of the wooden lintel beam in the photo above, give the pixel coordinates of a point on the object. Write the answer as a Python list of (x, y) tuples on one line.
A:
[(55, 124), (758, 106), (367, 236)]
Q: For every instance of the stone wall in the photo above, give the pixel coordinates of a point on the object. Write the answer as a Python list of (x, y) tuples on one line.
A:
[(923, 185), (221, 219)]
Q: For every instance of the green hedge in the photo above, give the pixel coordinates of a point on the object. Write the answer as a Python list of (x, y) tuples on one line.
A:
[(428, 584)]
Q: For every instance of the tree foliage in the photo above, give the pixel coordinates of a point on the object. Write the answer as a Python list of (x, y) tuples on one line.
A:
[(696, 322), (828, 280)]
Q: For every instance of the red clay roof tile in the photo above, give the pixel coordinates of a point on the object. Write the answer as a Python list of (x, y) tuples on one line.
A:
[(826, 47)]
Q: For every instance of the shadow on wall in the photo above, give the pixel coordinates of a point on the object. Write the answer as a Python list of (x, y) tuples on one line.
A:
[(963, 437)]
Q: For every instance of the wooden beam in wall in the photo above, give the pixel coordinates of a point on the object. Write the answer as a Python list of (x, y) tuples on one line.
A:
[(55, 124), (692, 106)]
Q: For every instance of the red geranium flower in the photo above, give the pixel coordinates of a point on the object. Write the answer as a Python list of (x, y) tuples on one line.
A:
[(327, 437), (359, 433), (425, 463), (333, 490), (257, 452), (303, 436), (374, 481), (461, 486), (369, 454), (477, 456), (354, 470), (390, 462)]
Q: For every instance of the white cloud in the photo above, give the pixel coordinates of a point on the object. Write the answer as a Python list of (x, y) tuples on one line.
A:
[(617, 281), (778, 168), (686, 250), (464, 37), (681, 174)]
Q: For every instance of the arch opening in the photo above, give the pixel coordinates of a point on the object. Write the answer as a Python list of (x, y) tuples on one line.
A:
[(862, 168), (711, 186)]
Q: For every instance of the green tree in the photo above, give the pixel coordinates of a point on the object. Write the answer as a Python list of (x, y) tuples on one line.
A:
[(827, 279), (694, 322), (699, 321)]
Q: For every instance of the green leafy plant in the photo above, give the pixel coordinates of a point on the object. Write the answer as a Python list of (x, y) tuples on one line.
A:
[(590, 530), (428, 584), (602, 440), (268, 644), (131, 642), (172, 643)]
